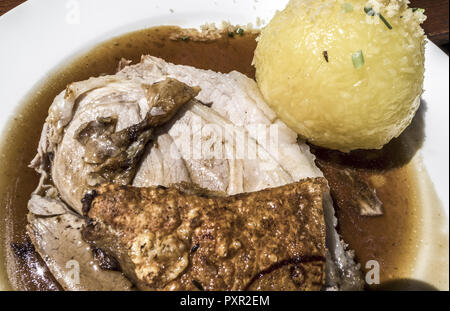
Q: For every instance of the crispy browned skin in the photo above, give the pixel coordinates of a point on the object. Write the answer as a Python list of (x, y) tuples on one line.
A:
[(164, 239)]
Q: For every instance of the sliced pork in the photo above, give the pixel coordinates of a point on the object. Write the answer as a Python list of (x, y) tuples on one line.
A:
[(224, 139)]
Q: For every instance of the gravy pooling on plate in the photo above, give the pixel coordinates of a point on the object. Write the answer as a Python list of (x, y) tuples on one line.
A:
[(389, 239)]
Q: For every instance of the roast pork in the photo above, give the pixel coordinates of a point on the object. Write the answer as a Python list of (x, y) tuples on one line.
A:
[(101, 130)]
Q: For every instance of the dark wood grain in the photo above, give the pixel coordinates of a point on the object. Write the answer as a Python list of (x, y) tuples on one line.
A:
[(436, 25), (6, 5)]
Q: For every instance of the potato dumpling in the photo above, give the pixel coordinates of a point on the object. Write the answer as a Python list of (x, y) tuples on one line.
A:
[(344, 74)]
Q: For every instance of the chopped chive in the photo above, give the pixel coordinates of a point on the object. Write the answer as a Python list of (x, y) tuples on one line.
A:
[(358, 59), (231, 34), (347, 7), (325, 55), (384, 21), (240, 31), (185, 38), (369, 11)]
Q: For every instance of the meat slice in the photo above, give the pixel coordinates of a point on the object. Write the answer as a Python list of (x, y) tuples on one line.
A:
[(165, 239), (56, 234), (109, 132), (237, 104)]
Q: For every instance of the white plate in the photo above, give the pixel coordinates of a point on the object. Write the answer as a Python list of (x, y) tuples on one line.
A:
[(44, 34)]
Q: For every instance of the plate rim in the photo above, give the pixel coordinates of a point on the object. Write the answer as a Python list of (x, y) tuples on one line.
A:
[(19, 20)]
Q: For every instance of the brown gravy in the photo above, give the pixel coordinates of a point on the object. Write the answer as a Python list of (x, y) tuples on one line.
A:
[(387, 238)]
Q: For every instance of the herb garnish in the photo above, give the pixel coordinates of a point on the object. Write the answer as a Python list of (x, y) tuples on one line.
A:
[(384, 21), (240, 31), (369, 11), (325, 55), (231, 34), (418, 9), (185, 38), (198, 285), (358, 59)]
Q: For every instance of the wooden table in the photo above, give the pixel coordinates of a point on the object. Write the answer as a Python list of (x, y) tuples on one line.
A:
[(436, 25)]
